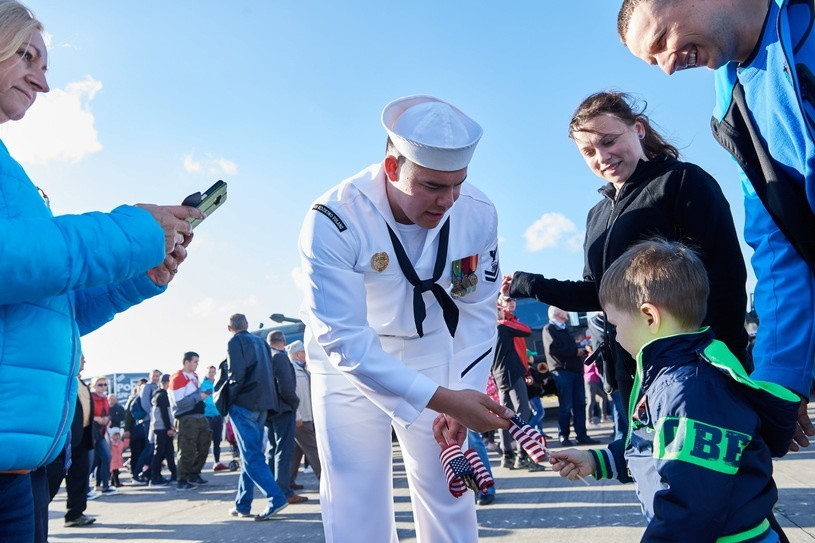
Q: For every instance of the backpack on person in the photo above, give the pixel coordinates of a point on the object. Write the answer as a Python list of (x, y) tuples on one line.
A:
[(136, 409)]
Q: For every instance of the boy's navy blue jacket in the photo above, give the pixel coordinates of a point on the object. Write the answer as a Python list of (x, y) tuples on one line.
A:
[(700, 442)]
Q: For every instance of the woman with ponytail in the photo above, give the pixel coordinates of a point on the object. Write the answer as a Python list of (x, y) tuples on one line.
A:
[(650, 193)]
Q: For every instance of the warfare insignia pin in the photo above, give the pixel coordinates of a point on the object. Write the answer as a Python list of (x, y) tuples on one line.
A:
[(380, 261)]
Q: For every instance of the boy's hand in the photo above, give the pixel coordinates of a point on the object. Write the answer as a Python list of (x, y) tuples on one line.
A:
[(572, 463)]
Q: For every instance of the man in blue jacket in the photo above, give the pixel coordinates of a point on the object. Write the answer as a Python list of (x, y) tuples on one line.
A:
[(764, 57)]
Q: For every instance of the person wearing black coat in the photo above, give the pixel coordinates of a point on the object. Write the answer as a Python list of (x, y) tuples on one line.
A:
[(247, 393), (650, 194), (82, 440)]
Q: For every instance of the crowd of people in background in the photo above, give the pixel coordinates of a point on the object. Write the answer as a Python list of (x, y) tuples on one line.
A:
[(371, 331), (171, 421)]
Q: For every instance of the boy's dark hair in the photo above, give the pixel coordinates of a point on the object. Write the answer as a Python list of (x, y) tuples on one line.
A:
[(664, 273)]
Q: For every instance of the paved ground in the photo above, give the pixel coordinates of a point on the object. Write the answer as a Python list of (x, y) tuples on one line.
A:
[(530, 507)]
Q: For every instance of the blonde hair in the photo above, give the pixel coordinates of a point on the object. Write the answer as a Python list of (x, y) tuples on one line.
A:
[(16, 24)]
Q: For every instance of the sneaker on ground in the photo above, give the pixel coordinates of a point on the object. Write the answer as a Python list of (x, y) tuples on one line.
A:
[(109, 490), (185, 485), (486, 499), (531, 465), (269, 513), (92, 495), (159, 482), (295, 498), (197, 480), (138, 481), (219, 466), (235, 513), (308, 469), (507, 462), (82, 520)]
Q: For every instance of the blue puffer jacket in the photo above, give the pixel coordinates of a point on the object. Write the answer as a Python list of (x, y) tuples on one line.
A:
[(60, 277), (700, 441), (765, 117)]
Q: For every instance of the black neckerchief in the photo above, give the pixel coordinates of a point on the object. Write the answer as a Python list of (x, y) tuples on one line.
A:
[(447, 304)]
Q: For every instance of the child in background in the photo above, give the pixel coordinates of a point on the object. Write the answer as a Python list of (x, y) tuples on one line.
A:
[(118, 444), (701, 432), (594, 389)]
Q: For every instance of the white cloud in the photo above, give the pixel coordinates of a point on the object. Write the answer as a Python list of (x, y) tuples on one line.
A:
[(210, 165), (222, 165), (553, 230), (58, 127), (204, 308), (190, 165)]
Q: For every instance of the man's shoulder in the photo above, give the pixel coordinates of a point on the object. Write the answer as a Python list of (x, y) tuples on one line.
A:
[(244, 337), (178, 380), (348, 191)]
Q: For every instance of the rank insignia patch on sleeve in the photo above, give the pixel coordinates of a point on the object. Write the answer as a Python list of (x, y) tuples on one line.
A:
[(491, 274)]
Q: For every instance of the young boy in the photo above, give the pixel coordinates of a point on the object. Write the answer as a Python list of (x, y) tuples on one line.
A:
[(702, 432)]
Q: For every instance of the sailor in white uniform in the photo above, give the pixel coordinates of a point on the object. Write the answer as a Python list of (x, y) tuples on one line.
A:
[(403, 277)]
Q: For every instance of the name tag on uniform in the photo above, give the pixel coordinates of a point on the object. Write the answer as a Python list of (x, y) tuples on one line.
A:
[(464, 276)]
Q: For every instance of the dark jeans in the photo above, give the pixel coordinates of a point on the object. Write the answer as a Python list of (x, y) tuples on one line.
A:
[(248, 427), (146, 456), (281, 449), (101, 451), (216, 425), (163, 451), (39, 491), (17, 513), (138, 441), (76, 483), (571, 395)]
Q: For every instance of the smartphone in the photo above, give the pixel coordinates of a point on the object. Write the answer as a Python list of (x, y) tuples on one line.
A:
[(208, 201)]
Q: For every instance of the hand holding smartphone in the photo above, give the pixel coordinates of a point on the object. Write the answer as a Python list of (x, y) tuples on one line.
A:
[(206, 202)]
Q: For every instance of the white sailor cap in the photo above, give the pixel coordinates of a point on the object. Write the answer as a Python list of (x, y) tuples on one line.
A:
[(431, 133), (295, 346)]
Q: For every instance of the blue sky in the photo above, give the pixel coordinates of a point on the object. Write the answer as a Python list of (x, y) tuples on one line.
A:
[(152, 101)]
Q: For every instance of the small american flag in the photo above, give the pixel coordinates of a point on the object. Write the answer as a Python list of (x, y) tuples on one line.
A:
[(458, 470), (482, 476), (530, 439)]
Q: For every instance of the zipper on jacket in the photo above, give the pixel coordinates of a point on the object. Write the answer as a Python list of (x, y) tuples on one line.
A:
[(610, 228), (74, 374)]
